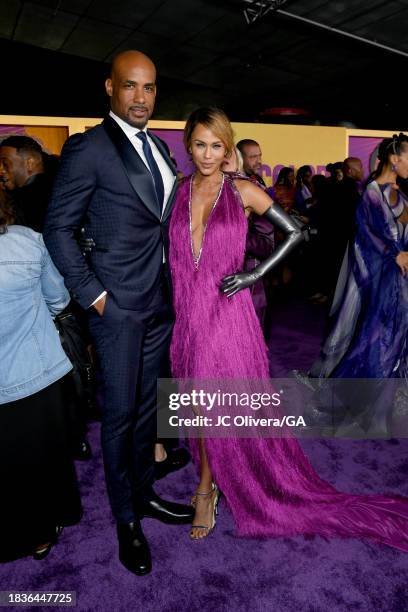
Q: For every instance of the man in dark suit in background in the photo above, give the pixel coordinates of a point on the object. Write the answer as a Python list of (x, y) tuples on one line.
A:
[(117, 181), (23, 176), (352, 188), (252, 159)]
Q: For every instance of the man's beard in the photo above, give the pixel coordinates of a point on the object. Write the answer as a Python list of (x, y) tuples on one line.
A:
[(141, 123)]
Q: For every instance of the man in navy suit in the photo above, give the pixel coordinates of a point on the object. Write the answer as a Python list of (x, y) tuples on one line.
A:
[(117, 181)]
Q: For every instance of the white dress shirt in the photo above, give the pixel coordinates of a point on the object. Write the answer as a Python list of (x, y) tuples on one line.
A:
[(165, 171), (167, 175)]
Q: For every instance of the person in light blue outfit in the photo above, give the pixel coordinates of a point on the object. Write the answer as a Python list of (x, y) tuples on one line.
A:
[(31, 293), (36, 469)]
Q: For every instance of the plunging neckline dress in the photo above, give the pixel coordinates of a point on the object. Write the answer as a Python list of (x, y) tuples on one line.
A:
[(269, 484)]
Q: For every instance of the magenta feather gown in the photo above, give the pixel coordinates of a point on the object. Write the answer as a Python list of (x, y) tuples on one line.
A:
[(269, 484)]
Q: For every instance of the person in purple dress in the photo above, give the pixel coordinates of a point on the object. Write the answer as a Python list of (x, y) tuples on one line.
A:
[(269, 484), (369, 316)]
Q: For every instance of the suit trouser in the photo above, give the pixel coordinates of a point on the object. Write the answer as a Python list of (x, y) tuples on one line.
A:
[(132, 348)]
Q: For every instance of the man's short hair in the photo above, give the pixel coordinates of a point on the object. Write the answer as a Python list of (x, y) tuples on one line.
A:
[(23, 144), (245, 142)]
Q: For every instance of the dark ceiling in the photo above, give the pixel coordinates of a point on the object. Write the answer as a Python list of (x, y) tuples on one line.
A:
[(56, 54)]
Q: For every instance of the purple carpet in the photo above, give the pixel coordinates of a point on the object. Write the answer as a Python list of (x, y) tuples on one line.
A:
[(226, 573)]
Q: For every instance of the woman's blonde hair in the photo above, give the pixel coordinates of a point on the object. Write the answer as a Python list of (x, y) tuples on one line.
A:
[(213, 119), (240, 160)]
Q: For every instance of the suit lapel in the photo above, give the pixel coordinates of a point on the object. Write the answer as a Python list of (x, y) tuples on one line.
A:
[(136, 171), (165, 155), (170, 202)]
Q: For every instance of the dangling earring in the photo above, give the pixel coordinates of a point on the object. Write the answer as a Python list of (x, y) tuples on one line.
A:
[(394, 168)]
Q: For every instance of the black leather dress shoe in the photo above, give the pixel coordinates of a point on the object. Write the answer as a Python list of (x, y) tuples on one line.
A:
[(40, 553), (134, 552), (175, 460), (152, 506), (43, 551)]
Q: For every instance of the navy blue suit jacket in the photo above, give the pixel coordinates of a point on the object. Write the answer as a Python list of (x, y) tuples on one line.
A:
[(104, 186)]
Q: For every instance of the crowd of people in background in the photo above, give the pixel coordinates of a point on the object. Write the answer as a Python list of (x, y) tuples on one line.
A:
[(325, 206)]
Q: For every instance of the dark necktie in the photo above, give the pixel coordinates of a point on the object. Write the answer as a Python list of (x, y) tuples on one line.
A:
[(154, 168)]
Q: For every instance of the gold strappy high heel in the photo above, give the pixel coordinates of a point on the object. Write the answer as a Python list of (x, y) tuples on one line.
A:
[(208, 528)]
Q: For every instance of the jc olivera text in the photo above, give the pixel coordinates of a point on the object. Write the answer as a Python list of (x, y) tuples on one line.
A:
[(236, 421)]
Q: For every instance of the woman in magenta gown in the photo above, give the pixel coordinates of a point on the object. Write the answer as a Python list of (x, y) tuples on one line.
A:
[(269, 484)]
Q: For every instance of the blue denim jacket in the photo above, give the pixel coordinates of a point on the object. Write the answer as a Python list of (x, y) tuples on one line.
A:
[(31, 292)]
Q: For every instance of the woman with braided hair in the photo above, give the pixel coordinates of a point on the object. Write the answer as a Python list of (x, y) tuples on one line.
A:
[(368, 334)]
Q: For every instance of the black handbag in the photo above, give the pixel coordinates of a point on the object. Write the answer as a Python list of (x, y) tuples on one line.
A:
[(73, 340)]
